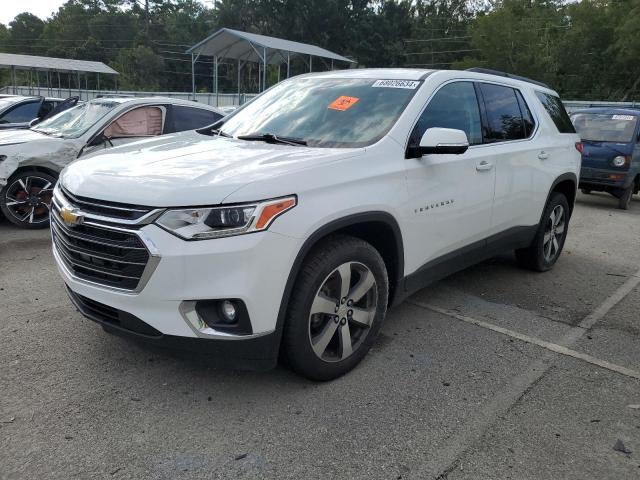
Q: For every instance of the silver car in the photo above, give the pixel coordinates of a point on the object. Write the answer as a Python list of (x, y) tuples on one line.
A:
[(30, 160)]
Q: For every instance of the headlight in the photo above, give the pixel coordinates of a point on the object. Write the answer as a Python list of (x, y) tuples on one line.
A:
[(203, 223), (619, 161)]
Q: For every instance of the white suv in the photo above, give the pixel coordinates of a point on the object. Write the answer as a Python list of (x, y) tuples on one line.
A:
[(292, 225)]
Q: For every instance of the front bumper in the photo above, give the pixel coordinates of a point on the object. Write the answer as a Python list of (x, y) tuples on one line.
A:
[(601, 178), (253, 268)]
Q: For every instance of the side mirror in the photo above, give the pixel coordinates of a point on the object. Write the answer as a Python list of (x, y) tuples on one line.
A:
[(34, 122), (443, 141), (98, 140)]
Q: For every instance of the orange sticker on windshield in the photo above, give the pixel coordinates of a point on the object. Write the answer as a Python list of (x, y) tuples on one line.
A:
[(343, 103)]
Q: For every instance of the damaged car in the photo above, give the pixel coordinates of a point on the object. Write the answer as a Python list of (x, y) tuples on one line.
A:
[(17, 111), (30, 160)]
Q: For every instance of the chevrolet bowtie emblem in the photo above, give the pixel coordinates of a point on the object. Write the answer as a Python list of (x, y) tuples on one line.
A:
[(70, 217)]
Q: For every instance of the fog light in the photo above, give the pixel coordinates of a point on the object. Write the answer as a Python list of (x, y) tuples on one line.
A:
[(228, 311)]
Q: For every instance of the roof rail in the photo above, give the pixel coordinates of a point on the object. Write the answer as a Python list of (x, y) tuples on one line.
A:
[(505, 74)]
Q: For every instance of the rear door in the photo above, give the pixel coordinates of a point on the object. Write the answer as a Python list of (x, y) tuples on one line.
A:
[(509, 128), (451, 196)]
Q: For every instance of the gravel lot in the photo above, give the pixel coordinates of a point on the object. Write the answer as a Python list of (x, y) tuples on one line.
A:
[(493, 373)]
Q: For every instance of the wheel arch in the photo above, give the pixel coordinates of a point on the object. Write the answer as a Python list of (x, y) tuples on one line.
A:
[(33, 168), (566, 184), (378, 228)]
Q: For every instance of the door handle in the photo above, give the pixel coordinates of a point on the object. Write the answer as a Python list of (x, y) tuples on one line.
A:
[(484, 166), (543, 155)]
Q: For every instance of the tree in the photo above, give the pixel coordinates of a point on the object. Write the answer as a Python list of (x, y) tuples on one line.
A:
[(140, 69), (25, 33)]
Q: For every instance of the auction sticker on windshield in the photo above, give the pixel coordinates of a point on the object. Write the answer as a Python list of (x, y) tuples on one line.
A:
[(343, 103), (409, 84)]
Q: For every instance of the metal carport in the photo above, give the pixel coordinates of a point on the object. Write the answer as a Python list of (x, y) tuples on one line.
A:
[(250, 47), (49, 65)]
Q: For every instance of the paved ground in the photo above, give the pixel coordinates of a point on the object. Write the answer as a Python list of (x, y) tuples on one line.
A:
[(464, 383)]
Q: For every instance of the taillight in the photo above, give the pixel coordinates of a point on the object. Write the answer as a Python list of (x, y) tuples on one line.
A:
[(580, 147)]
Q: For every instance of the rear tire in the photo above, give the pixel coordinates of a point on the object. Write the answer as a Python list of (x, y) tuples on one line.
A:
[(331, 325), (624, 202), (26, 199), (547, 245)]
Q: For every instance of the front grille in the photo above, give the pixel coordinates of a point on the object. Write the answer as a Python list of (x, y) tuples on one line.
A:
[(117, 211), (100, 254)]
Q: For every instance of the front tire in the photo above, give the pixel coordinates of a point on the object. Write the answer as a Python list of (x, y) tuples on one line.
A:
[(26, 199), (624, 202), (547, 245), (337, 308)]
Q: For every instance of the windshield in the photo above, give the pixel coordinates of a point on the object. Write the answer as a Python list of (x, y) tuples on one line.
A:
[(74, 122), (325, 112), (599, 127)]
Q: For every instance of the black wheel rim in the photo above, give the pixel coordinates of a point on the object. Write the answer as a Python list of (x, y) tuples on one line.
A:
[(342, 312), (28, 199)]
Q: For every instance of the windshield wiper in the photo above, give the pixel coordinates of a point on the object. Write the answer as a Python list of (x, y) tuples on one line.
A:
[(272, 138)]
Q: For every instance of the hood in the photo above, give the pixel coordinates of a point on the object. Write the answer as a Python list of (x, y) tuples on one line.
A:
[(600, 154), (188, 169), (16, 137)]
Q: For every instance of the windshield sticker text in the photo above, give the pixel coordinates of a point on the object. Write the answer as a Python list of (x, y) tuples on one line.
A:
[(343, 103), (409, 84), (622, 117)]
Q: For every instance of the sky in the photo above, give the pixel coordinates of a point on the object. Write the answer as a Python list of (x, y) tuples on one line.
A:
[(41, 8)]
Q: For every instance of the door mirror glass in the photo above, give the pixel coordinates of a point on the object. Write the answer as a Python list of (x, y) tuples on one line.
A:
[(438, 140)]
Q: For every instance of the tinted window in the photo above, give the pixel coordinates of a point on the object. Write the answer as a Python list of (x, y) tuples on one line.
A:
[(503, 113), (22, 113), (553, 105), (186, 118), (527, 118), (454, 106)]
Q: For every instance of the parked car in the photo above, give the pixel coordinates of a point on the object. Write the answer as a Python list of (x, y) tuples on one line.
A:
[(17, 111), (611, 155), (30, 160), (293, 224)]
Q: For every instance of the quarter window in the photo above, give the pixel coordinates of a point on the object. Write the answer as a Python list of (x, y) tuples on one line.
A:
[(554, 107), (504, 117), (527, 118), (453, 106)]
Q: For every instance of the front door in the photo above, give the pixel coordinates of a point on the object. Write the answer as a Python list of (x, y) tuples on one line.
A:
[(451, 196)]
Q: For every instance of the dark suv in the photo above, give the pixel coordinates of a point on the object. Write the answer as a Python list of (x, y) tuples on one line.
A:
[(611, 155)]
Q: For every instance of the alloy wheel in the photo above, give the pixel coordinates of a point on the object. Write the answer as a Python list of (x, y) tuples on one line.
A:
[(343, 311), (554, 233), (28, 199)]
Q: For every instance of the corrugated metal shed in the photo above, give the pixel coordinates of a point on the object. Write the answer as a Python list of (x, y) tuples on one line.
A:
[(31, 62)]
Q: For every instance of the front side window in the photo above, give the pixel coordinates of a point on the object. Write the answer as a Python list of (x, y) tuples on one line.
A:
[(453, 106), (555, 108), (139, 122), (504, 117), (22, 113), (189, 118), (325, 112), (597, 127), (75, 121)]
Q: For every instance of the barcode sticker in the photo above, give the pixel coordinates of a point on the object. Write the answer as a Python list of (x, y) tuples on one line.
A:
[(409, 84)]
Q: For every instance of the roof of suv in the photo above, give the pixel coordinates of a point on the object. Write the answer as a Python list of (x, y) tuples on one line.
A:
[(150, 99), (421, 74)]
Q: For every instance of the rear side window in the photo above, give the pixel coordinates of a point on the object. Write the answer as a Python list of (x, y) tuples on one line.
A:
[(187, 118), (22, 113), (504, 118), (554, 107), (453, 106)]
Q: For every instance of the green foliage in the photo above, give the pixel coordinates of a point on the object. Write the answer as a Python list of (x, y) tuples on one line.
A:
[(586, 50)]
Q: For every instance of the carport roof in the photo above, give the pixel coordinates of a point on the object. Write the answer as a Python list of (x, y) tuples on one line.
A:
[(228, 43), (52, 64)]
